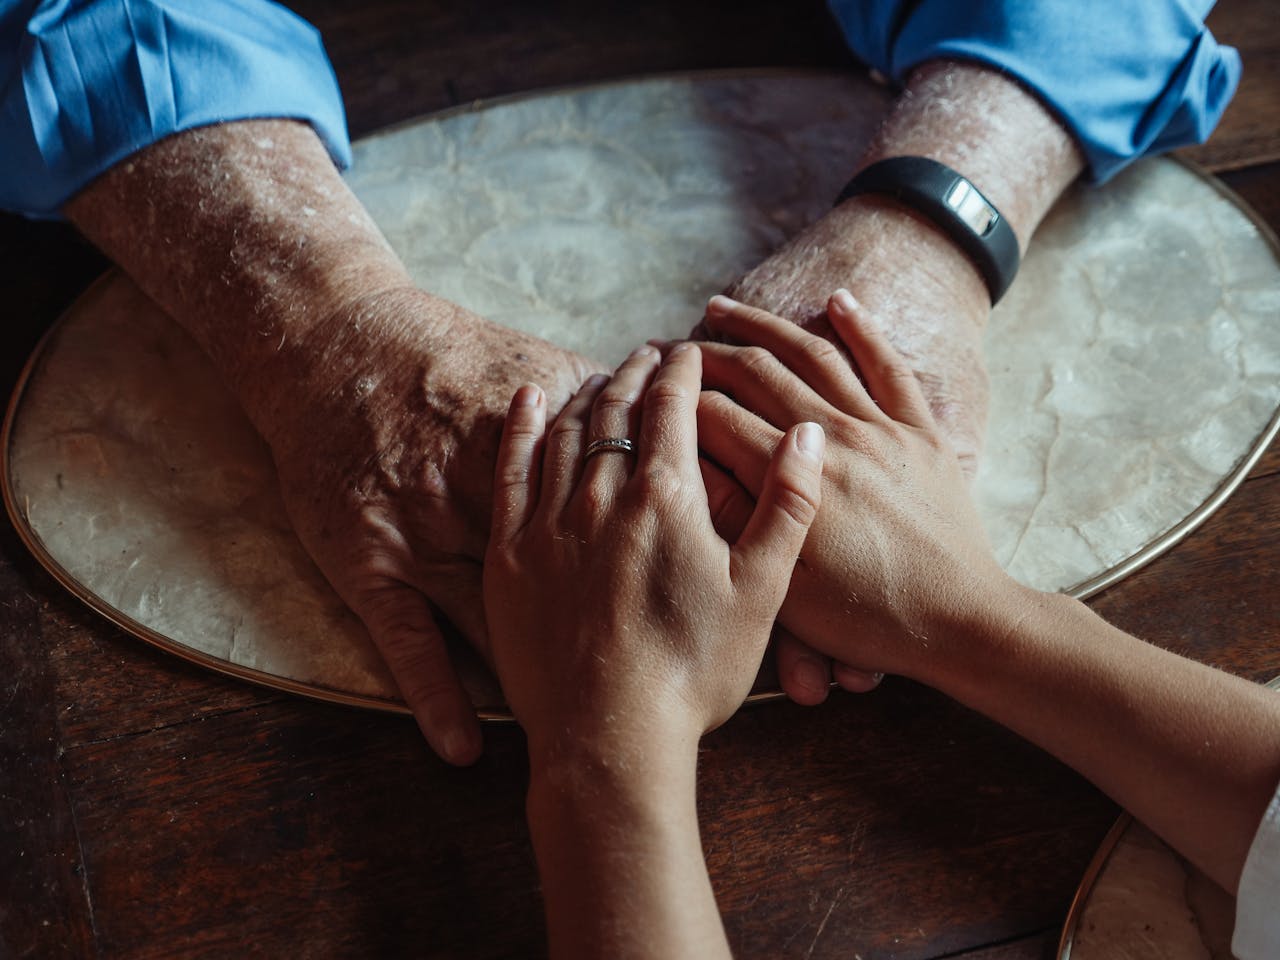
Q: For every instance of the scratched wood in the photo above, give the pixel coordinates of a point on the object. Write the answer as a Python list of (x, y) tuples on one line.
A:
[(1250, 128), (1043, 946), (201, 817), (44, 908), (309, 829), (397, 60)]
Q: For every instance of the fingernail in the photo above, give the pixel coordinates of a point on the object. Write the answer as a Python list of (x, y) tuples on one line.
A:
[(845, 301), (683, 347), (721, 304), (597, 380), (810, 675), (530, 395), (811, 440), (642, 351), (460, 747)]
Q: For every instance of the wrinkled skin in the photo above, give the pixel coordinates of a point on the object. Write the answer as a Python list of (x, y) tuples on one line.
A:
[(403, 531)]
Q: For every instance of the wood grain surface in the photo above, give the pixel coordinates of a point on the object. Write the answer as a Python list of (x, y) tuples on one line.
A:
[(149, 809)]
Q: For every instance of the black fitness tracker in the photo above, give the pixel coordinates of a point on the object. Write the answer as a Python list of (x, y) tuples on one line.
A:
[(954, 205)]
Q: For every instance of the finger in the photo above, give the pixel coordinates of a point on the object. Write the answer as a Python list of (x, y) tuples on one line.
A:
[(815, 360), (729, 503), (519, 463), (456, 590), (890, 380), (786, 507), (736, 439), (402, 626), (759, 381), (616, 415), (855, 680), (562, 461), (804, 673), (668, 423)]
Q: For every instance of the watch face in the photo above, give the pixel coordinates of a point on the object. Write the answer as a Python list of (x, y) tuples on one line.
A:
[(971, 207)]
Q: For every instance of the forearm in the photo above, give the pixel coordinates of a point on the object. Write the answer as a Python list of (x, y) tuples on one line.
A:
[(980, 123), (1191, 751), (989, 128), (246, 234), (620, 858)]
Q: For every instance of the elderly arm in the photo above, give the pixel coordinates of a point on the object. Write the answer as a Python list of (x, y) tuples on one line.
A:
[(381, 403), (927, 291)]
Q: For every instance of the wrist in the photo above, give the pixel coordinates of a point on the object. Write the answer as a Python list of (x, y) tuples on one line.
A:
[(624, 787), (902, 268), (327, 369), (632, 755), (989, 128), (995, 639)]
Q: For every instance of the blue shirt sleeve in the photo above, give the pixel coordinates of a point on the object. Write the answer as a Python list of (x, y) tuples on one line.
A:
[(86, 83), (1127, 78)]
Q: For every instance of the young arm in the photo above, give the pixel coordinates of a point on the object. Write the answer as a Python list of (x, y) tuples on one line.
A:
[(896, 576), (623, 628)]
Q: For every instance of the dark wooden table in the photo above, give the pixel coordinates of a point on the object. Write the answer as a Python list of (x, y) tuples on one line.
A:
[(150, 809)]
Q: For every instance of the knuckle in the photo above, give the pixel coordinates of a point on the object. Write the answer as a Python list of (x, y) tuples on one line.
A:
[(614, 401), (713, 402), (794, 501), (566, 428), (755, 360), (522, 433), (511, 475), (897, 373), (391, 612), (822, 351), (659, 482), (665, 393), (595, 499)]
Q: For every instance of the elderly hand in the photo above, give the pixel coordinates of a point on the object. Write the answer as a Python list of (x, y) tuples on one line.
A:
[(898, 552), (382, 404), (618, 618), (385, 447)]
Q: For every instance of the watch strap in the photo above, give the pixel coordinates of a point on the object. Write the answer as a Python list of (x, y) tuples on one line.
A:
[(954, 205)]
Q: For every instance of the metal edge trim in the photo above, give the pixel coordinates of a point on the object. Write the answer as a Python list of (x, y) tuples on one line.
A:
[(1090, 877)]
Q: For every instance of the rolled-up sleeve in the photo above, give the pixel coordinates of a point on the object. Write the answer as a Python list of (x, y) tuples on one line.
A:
[(86, 84), (1127, 79)]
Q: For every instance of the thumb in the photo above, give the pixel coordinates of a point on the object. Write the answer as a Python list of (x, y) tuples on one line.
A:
[(766, 552), (404, 630)]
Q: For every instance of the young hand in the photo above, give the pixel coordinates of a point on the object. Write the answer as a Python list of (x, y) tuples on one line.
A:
[(897, 552), (618, 618)]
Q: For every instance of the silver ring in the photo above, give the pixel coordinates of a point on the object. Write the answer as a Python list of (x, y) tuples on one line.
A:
[(608, 445)]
